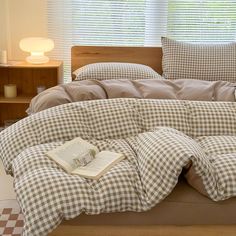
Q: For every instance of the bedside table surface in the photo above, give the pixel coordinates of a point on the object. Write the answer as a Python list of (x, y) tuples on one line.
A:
[(24, 64), (18, 99)]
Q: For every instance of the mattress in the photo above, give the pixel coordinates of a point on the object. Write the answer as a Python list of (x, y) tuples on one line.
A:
[(184, 206)]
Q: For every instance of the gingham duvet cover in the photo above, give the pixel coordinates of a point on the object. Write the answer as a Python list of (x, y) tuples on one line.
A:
[(158, 137)]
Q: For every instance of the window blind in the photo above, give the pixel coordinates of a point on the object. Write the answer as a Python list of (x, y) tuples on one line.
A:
[(207, 21), (104, 22), (137, 23)]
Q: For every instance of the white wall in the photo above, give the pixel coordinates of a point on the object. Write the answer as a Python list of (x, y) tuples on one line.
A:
[(18, 19), (21, 18), (3, 28)]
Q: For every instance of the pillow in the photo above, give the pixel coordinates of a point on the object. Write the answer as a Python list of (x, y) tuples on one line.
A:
[(198, 61), (115, 70)]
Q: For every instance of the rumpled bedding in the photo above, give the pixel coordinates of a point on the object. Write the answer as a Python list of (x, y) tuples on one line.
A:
[(158, 138), (123, 88)]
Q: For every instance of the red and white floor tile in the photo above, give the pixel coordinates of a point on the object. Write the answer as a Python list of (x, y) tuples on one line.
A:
[(11, 219), (11, 222)]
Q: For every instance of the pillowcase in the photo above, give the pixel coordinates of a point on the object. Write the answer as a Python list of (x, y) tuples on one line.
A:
[(198, 61), (115, 70)]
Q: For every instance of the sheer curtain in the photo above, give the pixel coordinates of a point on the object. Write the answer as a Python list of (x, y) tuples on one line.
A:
[(137, 23)]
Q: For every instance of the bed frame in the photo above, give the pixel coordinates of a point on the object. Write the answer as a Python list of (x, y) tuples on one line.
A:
[(83, 55), (151, 56)]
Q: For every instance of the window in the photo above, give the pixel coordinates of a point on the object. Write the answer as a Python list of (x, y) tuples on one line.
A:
[(104, 22), (137, 23), (109, 22), (206, 21)]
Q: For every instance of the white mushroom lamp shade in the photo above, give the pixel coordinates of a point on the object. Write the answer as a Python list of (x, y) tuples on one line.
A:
[(37, 47)]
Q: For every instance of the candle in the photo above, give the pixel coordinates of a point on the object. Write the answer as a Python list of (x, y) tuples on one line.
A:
[(10, 91), (3, 57)]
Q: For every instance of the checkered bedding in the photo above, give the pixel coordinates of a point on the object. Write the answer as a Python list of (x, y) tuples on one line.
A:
[(158, 137), (213, 62)]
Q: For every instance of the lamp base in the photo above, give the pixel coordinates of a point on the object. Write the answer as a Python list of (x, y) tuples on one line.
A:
[(37, 59)]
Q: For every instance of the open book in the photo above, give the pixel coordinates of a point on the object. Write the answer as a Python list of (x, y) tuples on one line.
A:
[(82, 158)]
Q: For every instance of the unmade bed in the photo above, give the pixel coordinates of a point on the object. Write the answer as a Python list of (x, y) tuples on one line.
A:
[(179, 176)]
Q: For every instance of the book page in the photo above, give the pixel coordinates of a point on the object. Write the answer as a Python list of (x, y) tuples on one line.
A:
[(71, 154), (100, 164)]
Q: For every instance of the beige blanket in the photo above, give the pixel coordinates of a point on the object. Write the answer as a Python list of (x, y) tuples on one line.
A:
[(150, 89)]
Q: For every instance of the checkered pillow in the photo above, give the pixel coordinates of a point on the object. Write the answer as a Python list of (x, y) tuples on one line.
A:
[(115, 70), (199, 61)]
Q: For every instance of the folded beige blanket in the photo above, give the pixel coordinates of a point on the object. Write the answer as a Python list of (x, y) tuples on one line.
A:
[(148, 88)]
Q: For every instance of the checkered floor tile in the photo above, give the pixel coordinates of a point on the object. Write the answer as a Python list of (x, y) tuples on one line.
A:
[(11, 222)]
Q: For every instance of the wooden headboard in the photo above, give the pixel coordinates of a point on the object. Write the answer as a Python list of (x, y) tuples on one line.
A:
[(83, 55)]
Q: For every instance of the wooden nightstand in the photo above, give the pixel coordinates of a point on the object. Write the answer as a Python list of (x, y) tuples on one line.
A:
[(27, 78)]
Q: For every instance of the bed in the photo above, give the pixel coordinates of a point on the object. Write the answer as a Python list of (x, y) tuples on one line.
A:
[(185, 211), (196, 222)]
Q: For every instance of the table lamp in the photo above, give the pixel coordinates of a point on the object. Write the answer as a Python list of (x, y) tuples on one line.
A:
[(37, 47)]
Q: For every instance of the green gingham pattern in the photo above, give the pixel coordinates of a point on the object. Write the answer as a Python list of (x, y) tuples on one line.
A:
[(155, 156)]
